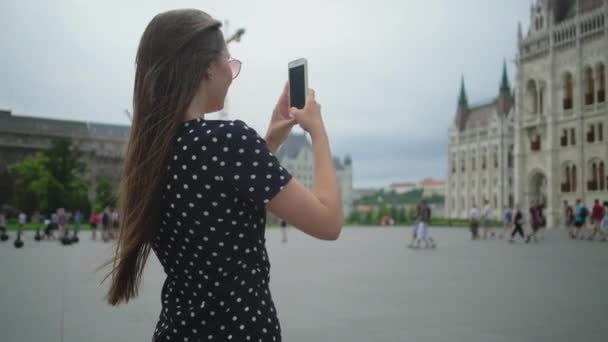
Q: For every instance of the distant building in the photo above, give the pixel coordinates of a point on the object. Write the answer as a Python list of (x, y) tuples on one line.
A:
[(296, 156), (401, 188), (548, 141), (102, 144), (431, 187)]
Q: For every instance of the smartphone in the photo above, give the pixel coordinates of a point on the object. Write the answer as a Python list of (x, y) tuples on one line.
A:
[(298, 82)]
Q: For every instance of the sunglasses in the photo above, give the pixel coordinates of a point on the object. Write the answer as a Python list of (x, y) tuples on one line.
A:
[(235, 67)]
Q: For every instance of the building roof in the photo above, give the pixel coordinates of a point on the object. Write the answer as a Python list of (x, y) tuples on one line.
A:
[(293, 145), (431, 182), (10, 123), (296, 142)]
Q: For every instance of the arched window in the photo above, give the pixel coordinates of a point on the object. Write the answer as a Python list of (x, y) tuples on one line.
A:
[(573, 178), (568, 90), (566, 185), (531, 97), (597, 176), (601, 75), (602, 176), (589, 86)]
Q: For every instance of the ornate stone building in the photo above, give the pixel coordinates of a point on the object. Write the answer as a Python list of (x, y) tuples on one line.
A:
[(102, 145), (296, 156), (557, 128), (560, 138), (480, 148)]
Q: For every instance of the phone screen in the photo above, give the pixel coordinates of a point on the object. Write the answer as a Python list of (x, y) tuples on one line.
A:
[(297, 91)]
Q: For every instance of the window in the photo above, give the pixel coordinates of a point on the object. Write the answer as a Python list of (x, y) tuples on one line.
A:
[(589, 86), (597, 179), (573, 178), (531, 97), (591, 134), (568, 91), (601, 93), (600, 132), (572, 137), (510, 157), (535, 143), (563, 140)]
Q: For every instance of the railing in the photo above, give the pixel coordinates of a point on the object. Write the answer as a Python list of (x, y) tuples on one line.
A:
[(565, 33), (591, 23)]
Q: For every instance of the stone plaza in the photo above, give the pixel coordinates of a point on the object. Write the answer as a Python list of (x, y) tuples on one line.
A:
[(366, 286)]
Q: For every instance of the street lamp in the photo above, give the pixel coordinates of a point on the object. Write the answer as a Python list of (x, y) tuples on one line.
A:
[(234, 37)]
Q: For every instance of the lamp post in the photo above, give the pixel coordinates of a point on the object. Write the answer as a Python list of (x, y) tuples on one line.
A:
[(232, 37)]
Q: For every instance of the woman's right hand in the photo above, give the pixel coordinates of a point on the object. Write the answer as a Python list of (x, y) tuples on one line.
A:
[(309, 117)]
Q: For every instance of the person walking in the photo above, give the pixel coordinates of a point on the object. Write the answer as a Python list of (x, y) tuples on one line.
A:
[(474, 222), (507, 222), (518, 221), (597, 215)]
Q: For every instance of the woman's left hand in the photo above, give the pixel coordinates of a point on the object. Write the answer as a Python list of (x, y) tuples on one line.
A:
[(281, 122)]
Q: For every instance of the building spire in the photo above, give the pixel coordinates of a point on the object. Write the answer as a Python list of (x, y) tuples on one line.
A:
[(505, 87), (462, 99)]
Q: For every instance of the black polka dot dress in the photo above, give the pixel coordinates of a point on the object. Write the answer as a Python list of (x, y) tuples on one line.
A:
[(211, 243)]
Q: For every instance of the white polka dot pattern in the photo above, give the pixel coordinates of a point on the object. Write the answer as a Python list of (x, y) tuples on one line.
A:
[(211, 242)]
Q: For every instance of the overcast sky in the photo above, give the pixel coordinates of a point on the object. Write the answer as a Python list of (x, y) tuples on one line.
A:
[(386, 72)]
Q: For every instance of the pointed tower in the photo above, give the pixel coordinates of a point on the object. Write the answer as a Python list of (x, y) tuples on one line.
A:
[(505, 97), (463, 106)]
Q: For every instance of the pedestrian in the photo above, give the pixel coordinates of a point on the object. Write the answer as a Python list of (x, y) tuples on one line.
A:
[(3, 235), (604, 223), (597, 215), (195, 191), (423, 218), (507, 222), (518, 221), (486, 214), (569, 219), (535, 221), (94, 222), (62, 222), (78, 219), (106, 225), (474, 222), (284, 230), (22, 219), (115, 223)]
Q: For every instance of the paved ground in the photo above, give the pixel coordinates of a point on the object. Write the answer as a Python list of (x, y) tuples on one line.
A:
[(364, 287)]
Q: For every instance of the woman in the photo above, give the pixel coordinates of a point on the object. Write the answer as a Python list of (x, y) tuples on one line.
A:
[(195, 191)]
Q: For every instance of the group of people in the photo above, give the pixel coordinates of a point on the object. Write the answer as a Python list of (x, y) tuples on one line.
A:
[(55, 226), (107, 221), (581, 223), (513, 222)]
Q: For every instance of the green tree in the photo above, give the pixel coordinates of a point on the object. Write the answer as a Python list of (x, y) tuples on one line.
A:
[(33, 182), (401, 217), (64, 163), (6, 186), (104, 195)]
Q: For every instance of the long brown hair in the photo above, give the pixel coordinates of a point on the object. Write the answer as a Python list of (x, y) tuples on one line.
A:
[(173, 58)]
